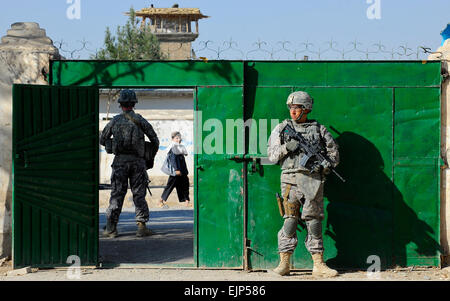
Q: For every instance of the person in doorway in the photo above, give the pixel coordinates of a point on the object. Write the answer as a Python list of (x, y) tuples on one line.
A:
[(180, 180), (127, 144), (302, 186)]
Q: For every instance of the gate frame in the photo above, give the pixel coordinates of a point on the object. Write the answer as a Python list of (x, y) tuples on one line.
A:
[(245, 157)]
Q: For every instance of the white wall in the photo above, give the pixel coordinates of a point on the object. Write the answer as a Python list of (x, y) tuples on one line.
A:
[(444, 56), (166, 112)]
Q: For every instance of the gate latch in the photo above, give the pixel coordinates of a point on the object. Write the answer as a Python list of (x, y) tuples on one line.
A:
[(255, 160)]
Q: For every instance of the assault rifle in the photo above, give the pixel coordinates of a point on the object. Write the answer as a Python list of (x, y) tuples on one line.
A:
[(311, 152), (147, 180)]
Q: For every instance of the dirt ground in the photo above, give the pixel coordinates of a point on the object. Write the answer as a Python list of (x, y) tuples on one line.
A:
[(124, 273), (172, 243)]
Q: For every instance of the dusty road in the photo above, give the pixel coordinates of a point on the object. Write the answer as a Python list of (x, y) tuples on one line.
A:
[(172, 243), (155, 274)]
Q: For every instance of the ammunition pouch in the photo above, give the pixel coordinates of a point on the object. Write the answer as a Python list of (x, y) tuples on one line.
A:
[(108, 146), (291, 209), (150, 149), (149, 154)]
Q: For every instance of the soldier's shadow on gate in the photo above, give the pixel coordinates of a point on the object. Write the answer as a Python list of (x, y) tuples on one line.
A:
[(367, 215)]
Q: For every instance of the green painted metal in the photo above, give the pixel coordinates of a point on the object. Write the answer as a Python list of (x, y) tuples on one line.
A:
[(55, 175), (219, 195), (371, 120), (384, 115), (179, 73), (195, 184), (359, 215), (357, 195), (346, 74), (417, 176), (265, 181)]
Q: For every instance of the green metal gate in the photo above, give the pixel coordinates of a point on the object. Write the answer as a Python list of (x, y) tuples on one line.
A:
[(218, 87), (386, 120), (384, 115), (55, 175), (219, 180)]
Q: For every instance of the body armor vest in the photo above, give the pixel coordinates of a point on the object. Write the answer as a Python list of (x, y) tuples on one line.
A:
[(310, 130), (128, 138)]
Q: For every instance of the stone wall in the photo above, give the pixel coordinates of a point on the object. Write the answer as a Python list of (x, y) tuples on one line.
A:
[(176, 51), (443, 54), (24, 58)]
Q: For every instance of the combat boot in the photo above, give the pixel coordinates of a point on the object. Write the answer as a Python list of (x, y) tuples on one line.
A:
[(142, 230), (283, 268), (110, 230), (320, 269)]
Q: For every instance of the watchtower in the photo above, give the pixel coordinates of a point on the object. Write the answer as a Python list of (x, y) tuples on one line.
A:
[(173, 28)]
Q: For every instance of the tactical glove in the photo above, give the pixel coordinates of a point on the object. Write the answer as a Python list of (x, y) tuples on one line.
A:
[(317, 168), (326, 167), (292, 145)]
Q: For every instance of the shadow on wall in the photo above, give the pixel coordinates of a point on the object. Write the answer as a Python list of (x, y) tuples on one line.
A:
[(100, 76), (367, 215), (223, 69), (100, 72)]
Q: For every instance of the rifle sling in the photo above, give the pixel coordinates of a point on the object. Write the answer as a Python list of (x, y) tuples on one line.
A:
[(134, 121)]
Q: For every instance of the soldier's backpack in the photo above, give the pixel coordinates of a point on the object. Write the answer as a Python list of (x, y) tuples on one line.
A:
[(150, 148)]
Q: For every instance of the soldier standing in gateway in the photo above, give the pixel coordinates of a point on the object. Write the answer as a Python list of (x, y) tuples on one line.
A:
[(128, 146), (300, 186)]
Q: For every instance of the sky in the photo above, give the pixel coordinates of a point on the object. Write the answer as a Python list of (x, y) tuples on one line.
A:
[(410, 23)]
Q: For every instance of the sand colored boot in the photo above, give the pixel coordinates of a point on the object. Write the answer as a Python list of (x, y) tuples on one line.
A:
[(283, 268), (142, 230), (320, 269), (110, 230)]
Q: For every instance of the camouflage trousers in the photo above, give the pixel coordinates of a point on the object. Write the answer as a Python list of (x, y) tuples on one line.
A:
[(135, 172), (312, 209)]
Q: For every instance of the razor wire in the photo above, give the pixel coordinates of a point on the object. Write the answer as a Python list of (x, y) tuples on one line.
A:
[(288, 50), (280, 50)]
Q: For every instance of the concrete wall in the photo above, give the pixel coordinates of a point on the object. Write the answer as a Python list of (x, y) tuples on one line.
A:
[(443, 54), (24, 58)]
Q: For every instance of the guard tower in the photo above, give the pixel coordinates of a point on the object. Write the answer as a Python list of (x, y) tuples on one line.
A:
[(173, 28)]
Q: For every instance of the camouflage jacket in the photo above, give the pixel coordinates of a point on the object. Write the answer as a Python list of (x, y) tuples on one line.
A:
[(128, 138), (312, 131)]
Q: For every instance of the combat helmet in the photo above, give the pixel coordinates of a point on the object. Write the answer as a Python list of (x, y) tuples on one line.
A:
[(127, 96), (300, 98)]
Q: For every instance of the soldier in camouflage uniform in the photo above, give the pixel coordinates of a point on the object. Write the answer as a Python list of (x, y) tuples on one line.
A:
[(299, 186), (128, 146)]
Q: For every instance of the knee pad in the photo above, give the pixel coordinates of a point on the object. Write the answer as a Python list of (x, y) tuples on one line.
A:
[(314, 228), (290, 227)]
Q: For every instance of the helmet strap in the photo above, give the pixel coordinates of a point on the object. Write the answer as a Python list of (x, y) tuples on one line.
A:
[(126, 108), (301, 116)]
